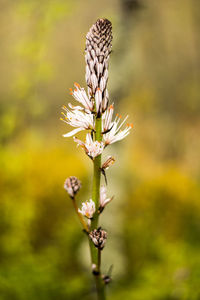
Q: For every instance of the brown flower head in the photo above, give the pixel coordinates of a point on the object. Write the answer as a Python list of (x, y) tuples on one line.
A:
[(98, 237)]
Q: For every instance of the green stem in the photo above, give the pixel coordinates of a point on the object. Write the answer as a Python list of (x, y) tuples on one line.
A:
[(95, 256)]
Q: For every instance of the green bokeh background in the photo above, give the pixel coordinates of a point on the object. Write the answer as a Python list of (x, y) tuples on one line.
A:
[(153, 222)]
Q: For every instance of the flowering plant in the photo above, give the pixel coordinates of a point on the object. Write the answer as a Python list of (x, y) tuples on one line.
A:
[(96, 116)]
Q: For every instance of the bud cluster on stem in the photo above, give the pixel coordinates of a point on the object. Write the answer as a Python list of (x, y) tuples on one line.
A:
[(95, 115)]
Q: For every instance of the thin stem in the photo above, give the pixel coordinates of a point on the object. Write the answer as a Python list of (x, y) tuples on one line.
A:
[(99, 259), (95, 255), (79, 215)]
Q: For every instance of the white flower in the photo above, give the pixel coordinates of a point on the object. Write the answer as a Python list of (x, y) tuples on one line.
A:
[(79, 119), (103, 198), (80, 95), (88, 209), (92, 148), (114, 131), (107, 118)]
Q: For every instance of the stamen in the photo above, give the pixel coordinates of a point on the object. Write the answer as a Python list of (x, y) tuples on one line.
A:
[(77, 84), (131, 125)]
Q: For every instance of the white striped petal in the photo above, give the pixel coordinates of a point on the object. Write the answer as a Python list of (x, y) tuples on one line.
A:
[(73, 132)]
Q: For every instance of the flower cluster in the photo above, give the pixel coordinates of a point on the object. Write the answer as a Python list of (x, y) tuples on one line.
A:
[(82, 118)]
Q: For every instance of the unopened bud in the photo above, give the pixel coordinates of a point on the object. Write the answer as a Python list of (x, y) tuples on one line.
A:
[(97, 52), (106, 278), (98, 237), (94, 270), (72, 185), (109, 162)]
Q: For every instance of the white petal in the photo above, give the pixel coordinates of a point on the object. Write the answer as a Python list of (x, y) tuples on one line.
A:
[(71, 133), (75, 107)]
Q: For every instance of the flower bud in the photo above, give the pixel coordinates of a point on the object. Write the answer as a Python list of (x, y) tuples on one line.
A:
[(97, 53), (98, 237), (103, 201), (109, 162), (72, 185)]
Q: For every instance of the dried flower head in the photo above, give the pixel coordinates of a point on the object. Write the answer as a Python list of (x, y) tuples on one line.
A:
[(97, 52), (88, 209), (72, 185), (98, 237), (109, 162)]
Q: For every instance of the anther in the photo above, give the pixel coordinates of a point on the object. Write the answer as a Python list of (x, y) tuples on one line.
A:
[(77, 84)]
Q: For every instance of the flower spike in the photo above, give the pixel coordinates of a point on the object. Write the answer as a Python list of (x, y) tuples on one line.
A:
[(94, 114)]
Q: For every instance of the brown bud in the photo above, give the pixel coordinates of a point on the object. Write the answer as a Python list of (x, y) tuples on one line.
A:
[(72, 185), (98, 237), (109, 162)]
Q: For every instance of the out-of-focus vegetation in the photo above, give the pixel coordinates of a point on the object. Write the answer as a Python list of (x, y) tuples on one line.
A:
[(154, 221)]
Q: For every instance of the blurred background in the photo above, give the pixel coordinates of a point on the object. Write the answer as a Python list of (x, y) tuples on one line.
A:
[(153, 222)]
